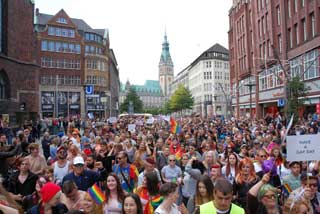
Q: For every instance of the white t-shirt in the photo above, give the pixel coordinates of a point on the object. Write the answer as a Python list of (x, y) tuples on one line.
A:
[(174, 210)]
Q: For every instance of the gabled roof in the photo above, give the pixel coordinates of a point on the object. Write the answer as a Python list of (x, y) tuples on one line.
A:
[(43, 19), (218, 48)]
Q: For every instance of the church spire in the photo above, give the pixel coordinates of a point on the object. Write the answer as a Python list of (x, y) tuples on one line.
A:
[(165, 54)]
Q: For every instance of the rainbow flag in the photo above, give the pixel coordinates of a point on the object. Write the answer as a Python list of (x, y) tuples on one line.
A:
[(179, 155), (287, 188), (96, 194), (174, 126), (134, 173), (152, 205)]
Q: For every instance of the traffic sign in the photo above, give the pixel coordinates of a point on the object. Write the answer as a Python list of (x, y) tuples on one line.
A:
[(89, 89), (281, 102)]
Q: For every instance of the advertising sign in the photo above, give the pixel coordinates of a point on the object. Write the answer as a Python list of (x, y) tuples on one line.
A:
[(303, 148)]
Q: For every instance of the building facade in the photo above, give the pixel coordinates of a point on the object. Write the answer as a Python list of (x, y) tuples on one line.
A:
[(166, 72), (182, 78), (75, 67), (19, 73), (209, 81), (150, 93), (271, 42)]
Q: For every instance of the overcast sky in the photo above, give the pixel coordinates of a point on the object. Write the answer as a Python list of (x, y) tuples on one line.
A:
[(137, 29)]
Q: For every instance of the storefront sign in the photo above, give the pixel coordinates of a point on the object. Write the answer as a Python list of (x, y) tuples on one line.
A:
[(318, 108), (303, 148)]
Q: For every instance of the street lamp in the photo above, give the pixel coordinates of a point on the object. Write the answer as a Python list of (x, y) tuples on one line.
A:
[(250, 85), (85, 98)]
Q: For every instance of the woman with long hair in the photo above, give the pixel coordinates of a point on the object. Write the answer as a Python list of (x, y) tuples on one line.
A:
[(204, 193), (276, 154), (141, 155), (245, 179), (132, 204), (114, 195), (89, 205), (209, 159), (263, 198), (149, 193), (230, 170), (297, 207)]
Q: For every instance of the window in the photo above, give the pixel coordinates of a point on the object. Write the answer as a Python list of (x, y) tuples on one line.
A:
[(51, 46), (4, 85), (296, 67), (61, 32), (295, 6), (278, 15), (313, 25), (51, 31), (297, 33), (311, 65), (302, 3), (44, 45), (49, 62), (290, 37), (62, 20), (280, 43), (289, 8), (304, 27)]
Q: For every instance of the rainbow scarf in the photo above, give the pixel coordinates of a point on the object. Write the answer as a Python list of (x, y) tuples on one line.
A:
[(152, 204), (174, 126), (96, 194), (178, 155)]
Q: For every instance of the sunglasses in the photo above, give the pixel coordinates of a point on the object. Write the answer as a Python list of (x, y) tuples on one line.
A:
[(119, 158), (172, 160), (79, 165)]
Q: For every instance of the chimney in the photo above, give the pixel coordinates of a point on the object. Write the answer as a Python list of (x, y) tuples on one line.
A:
[(37, 11)]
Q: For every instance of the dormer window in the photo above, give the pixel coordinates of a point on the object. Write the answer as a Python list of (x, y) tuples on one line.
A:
[(62, 20)]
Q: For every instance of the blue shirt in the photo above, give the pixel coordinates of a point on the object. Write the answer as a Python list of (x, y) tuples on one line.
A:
[(84, 181), (126, 172)]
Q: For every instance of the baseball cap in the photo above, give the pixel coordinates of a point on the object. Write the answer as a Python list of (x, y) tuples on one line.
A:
[(78, 160), (60, 148), (150, 160)]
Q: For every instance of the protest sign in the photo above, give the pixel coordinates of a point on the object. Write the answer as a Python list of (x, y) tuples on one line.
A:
[(131, 127), (112, 120), (150, 120), (303, 148)]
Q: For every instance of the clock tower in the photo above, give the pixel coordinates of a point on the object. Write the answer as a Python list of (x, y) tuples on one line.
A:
[(165, 68)]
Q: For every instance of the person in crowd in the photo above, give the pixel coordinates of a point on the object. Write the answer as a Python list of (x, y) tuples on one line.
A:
[(61, 166), (8, 204), (245, 179), (171, 172), (127, 173), (162, 156), (215, 173), (50, 201), (204, 194), (222, 202), (300, 206), (149, 192), (230, 170), (45, 142), (141, 155), (36, 160), (260, 157), (73, 152), (72, 197), (192, 174), (130, 149), (276, 154), (169, 191), (184, 162), (292, 181), (209, 160), (307, 191), (193, 152), (4, 155), (149, 166), (263, 197), (83, 178), (31, 200), (23, 182), (243, 151), (114, 195), (132, 204)]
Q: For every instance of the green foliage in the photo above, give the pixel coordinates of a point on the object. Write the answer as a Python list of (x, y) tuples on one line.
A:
[(153, 111), (137, 103), (181, 99), (296, 89)]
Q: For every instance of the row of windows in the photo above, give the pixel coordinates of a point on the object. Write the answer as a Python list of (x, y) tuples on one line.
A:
[(93, 49), (62, 32), (62, 80), (64, 47), (49, 62), (96, 80), (207, 75), (93, 37), (62, 20), (271, 78), (293, 4), (217, 64), (95, 64), (299, 33), (243, 88), (306, 66)]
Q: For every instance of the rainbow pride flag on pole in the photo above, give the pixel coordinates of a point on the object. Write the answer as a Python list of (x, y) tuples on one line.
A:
[(174, 126), (96, 193)]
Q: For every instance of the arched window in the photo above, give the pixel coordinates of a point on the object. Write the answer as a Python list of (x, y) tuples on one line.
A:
[(4, 86)]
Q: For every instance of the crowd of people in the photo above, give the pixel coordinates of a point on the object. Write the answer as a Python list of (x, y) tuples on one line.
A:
[(206, 166)]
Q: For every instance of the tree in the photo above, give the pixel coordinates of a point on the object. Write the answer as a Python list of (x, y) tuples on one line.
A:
[(136, 102), (297, 92), (181, 99)]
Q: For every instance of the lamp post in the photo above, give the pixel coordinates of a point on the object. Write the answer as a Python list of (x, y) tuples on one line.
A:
[(85, 98), (250, 85)]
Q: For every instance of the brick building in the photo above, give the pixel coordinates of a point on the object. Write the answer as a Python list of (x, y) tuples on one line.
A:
[(264, 33), (18, 70), (72, 56)]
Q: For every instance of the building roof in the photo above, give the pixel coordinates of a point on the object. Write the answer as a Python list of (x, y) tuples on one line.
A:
[(217, 51), (43, 19), (165, 57), (151, 87)]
